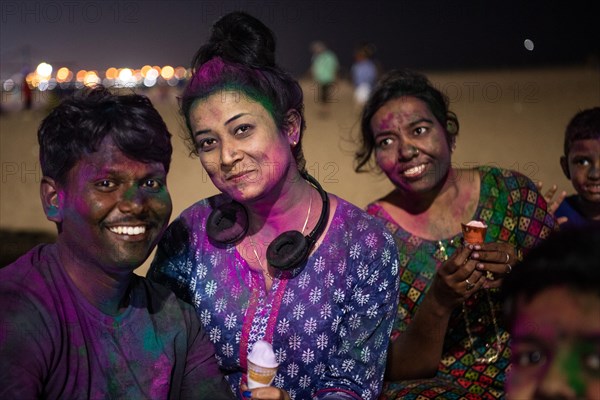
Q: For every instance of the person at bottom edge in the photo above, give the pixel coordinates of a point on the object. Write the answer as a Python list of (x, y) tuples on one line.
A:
[(76, 322), (552, 303)]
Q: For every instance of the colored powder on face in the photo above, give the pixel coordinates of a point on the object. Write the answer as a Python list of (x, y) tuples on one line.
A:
[(571, 366)]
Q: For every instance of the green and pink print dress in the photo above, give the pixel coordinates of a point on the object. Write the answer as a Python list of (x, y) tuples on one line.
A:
[(472, 366)]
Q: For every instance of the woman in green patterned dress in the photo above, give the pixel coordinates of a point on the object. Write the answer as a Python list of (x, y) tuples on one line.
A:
[(449, 339)]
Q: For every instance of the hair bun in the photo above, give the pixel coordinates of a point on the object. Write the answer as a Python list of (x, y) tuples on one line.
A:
[(240, 38)]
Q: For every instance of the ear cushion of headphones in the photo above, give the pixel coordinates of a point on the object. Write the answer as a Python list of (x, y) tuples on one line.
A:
[(227, 223), (287, 250)]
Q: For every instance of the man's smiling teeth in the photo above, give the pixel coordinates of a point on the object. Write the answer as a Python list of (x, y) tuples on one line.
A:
[(414, 171), (128, 230)]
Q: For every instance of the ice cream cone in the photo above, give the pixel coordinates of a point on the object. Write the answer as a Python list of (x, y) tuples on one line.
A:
[(474, 232), (260, 376)]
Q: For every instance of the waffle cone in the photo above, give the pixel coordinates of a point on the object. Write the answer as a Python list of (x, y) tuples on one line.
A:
[(260, 376)]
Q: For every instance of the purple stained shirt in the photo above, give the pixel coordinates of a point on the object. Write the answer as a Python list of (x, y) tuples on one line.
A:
[(54, 344), (329, 325)]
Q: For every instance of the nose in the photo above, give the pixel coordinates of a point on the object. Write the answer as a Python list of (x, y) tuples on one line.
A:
[(407, 150), (594, 171), (133, 201), (558, 382), (230, 153)]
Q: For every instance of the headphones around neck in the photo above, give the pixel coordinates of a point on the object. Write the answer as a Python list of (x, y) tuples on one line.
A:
[(228, 223)]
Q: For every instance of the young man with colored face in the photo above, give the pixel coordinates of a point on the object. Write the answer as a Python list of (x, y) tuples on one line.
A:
[(75, 321), (553, 309)]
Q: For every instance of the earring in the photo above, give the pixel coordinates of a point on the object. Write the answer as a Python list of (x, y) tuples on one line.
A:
[(294, 143)]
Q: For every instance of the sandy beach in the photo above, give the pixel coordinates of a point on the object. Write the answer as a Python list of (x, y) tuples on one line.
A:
[(509, 118)]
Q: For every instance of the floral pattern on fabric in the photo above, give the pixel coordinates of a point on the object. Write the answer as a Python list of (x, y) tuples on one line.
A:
[(515, 212), (329, 325)]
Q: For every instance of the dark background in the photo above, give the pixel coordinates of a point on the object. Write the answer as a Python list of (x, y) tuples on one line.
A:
[(444, 35)]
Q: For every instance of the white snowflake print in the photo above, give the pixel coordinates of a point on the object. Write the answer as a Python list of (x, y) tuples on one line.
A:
[(308, 356), (315, 295), (280, 355), (347, 237), (386, 256), (360, 297), (370, 372), (362, 338), (292, 369), (348, 364), (342, 267), (339, 296), (193, 285), (220, 305), (197, 299), (187, 268), (320, 265), (371, 240), (295, 341), (298, 311), (325, 311), (279, 380), (383, 286), (322, 341), (227, 349), (354, 321), (211, 288), (288, 297), (362, 225), (201, 271), (304, 281), (363, 271), (372, 311), (320, 368), (283, 326), (373, 278), (215, 335), (304, 381), (336, 323), (230, 321), (329, 280), (205, 317), (365, 355), (310, 326), (355, 251)]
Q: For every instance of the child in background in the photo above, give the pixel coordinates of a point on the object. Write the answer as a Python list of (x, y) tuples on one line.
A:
[(581, 165)]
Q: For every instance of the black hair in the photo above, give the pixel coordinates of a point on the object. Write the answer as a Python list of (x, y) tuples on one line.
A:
[(584, 125), (396, 84), (568, 258), (78, 125), (240, 56)]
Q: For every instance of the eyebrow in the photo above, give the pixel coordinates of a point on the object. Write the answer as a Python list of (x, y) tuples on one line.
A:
[(203, 131), (418, 121)]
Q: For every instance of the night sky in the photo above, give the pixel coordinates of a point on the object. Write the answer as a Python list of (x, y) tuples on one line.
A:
[(444, 35)]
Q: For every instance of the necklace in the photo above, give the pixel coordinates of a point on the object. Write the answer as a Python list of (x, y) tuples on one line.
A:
[(492, 354), (254, 250)]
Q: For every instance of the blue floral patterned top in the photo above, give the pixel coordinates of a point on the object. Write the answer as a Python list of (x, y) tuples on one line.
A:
[(329, 325)]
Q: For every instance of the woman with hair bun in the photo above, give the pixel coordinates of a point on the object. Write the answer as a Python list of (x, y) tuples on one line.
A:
[(274, 258)]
